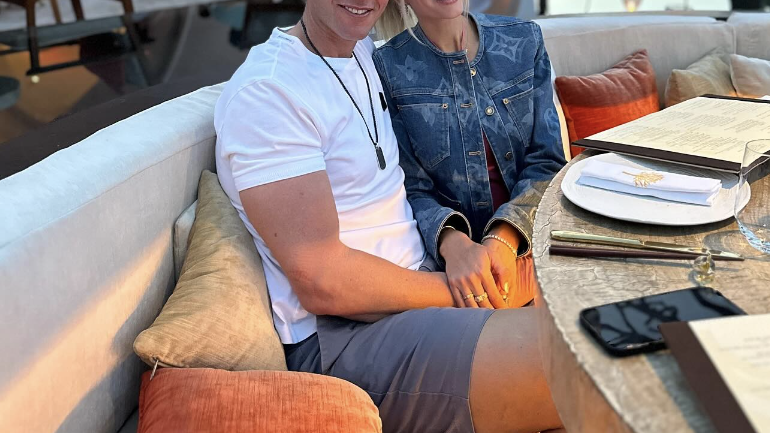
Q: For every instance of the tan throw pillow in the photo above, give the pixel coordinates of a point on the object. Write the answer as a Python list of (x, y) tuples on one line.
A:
[(219, 314), (709, 75), (751, 77)]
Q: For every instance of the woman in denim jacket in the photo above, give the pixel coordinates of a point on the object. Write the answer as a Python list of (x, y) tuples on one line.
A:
[(471, 101)]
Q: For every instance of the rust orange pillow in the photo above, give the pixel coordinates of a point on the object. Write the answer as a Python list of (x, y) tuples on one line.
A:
[(217, 401), (595, 103)]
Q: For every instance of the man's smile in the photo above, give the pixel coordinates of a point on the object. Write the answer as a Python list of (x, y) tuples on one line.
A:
[(359, 12)]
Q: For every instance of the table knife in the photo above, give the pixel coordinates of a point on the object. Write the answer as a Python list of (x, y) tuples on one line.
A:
[(588, 238)]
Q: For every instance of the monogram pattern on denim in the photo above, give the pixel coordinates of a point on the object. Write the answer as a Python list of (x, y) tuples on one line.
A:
[(411, 68)]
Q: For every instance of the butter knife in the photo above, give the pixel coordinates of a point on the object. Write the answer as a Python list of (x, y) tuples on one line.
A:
[(588, 238)]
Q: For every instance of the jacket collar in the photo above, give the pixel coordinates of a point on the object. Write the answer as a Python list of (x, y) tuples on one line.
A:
[(424, 39)]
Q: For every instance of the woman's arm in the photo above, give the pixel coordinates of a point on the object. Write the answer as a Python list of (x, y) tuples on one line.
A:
[(446, 232), (544, 158), (511, 225)]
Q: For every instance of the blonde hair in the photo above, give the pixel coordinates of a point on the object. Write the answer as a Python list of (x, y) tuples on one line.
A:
[(398, 17)]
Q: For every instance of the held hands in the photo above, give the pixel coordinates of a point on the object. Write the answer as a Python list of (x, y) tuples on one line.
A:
[(470, 270)]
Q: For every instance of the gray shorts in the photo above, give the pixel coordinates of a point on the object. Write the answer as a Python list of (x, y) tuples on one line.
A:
[(416, 366)]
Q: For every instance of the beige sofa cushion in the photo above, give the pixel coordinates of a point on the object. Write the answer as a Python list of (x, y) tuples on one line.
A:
[(751, 77), (219, 314), (751, 34), (709, 75)]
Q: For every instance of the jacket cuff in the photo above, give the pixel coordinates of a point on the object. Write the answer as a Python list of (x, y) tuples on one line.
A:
[(445, 217), (509, 214)]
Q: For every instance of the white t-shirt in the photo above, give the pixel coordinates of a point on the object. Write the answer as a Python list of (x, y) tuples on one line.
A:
[(283, 114)]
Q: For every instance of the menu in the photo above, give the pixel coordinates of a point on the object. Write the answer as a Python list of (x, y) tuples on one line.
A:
[(708, 131), (727, 363)]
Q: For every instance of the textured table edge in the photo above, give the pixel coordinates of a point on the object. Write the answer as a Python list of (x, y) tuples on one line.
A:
[(549, 327)]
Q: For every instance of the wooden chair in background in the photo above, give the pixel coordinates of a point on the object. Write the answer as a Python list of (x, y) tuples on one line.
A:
[(32, 41)]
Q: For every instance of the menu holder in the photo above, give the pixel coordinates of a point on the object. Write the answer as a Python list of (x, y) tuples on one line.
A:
[(709, 131), (726, 362)]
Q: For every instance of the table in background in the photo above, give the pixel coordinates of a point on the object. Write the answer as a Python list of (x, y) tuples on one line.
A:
[(647, 393)]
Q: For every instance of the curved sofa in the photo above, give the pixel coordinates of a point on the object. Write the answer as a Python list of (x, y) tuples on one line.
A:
[(86, 235)]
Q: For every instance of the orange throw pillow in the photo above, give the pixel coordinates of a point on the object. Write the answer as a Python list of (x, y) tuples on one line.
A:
[(595, 103), (193, 400)]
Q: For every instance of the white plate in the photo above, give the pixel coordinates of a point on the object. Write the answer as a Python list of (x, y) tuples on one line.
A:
[(652, 210)]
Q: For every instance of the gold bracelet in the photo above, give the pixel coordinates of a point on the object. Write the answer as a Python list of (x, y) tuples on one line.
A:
[(500, 239)]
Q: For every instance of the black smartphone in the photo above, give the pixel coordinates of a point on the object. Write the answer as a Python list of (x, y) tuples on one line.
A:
[(630, 327)]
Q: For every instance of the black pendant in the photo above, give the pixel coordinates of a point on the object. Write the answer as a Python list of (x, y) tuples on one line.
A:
[(380, 157)]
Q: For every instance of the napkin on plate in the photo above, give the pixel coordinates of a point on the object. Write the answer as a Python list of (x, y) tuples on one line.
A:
[(660, 184)]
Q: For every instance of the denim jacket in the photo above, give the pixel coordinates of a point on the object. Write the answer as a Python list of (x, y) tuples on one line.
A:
[(440, 104)]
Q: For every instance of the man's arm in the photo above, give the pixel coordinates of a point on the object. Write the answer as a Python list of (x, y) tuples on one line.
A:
[(297, 219)]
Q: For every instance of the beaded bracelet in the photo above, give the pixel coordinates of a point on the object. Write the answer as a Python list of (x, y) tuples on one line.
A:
[(498, 238)]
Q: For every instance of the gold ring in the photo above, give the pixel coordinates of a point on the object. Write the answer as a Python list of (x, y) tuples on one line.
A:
[(481, 298), (466, 297)]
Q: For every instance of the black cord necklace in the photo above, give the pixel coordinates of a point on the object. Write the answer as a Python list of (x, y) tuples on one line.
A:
[(376, 139)]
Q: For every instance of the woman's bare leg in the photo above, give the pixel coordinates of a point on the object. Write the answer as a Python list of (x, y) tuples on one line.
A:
[(508, 388)]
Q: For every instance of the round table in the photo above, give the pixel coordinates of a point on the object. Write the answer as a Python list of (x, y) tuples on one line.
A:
[(593, 391)]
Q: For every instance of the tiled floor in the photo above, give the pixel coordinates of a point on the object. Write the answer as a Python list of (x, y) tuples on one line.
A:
[(173, 44)]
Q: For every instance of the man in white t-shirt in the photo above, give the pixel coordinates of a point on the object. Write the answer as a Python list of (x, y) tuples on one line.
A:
[(307, 155)]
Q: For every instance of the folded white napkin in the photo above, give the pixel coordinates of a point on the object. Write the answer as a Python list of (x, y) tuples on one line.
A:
[(660, 184)]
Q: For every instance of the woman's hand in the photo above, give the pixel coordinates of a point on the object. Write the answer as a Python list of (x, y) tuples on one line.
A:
[(469, 271), (504, 266)]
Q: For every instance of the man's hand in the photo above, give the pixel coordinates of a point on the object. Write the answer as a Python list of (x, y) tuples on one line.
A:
[(469, 271)]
